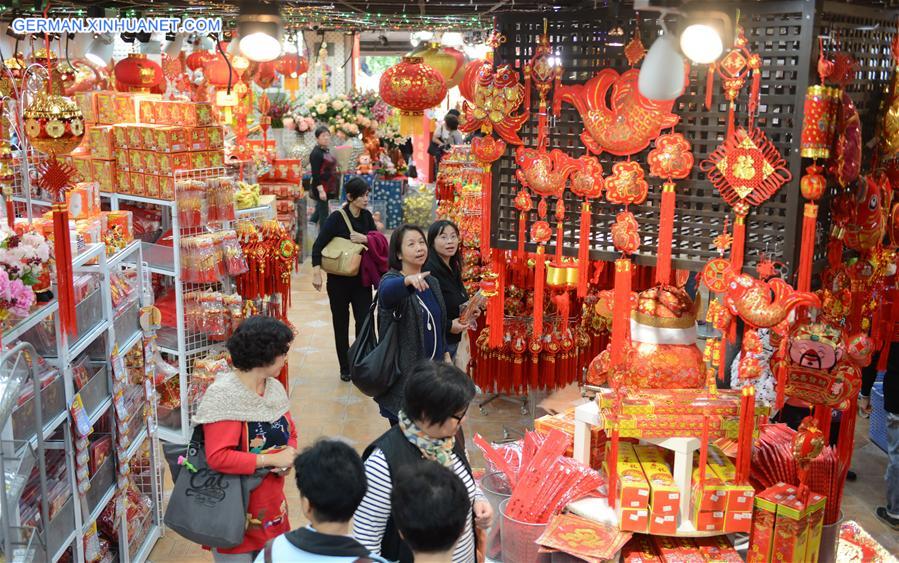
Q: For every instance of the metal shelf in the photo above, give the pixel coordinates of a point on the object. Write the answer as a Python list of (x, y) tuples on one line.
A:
[(170, 435), (49, 429), (16, 485), (148, 544), (135, 445), (34, 201), (120, 255), (68, 542), (27, 323), (93, 251), (104, 406), (129, 344), (86, 340), (160, 259), (101, 505), (140, 199)]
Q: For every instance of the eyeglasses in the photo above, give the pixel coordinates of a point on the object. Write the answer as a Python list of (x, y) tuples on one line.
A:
[(448, 238), (458, 417)]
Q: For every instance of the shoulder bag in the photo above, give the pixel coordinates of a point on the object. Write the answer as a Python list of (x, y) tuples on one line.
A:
[(342, 257), (374, 356), (207, 507)]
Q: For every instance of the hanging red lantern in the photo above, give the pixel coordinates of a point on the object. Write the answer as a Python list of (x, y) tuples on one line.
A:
[(412, 87), (448, 61), (197, 59), (289, 65), (137, 73), (265, 76), (302, 66), (217, 72), (813, 183)]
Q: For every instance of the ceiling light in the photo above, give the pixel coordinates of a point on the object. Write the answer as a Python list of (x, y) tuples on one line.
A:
[(260, 26), (662, 76), (100, 50), (704, 34), (176, 41), (452, 39)]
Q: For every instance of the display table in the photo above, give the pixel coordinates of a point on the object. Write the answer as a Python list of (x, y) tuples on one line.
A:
[(588, 415)]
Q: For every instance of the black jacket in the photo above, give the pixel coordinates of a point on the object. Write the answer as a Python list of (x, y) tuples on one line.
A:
[(335, 226), (323, 167), (454, 294)]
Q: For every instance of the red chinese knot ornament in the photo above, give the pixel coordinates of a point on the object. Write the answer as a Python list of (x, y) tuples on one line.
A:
[(671, 158), (627, 184)]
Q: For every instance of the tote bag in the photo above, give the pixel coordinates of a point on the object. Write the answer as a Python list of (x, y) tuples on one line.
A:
[(208, 507), (342, 257), (374, 356)]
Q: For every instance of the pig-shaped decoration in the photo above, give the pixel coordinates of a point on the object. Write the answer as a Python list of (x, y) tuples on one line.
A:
[(821, 369)]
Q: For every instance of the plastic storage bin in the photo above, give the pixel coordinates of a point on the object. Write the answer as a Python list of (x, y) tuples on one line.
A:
[(878, 428)]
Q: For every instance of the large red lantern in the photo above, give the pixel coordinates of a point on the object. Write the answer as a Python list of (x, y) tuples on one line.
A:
[(137, 73), (216, 71), (265, 76), (197, 59), (291, 65), (411, 86)]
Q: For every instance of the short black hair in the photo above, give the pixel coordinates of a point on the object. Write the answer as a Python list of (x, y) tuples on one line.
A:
[(321, 129), (430, 506), (396, 245), (258, 341), (435, 391), (356, 187), (435, 230), (331, 477), (455, 112), (452, 121)]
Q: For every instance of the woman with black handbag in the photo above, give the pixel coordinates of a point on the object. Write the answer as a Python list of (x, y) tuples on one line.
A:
[(422, 321), (345, 292), (245, 416)]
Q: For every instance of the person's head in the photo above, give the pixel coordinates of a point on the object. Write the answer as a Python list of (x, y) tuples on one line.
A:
[(451, 121), (407, 246), (260, 343), (443, 239), (430, 506), (331, 481), (455, 112), (437, 398), (357, 191), (323, 136)]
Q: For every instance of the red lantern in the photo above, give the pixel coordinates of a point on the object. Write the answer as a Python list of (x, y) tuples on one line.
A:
[(412, 87), (137, 73), (266, 74), (216, 71), (813, 183), (291, 65), (302, 66), (197, 59)]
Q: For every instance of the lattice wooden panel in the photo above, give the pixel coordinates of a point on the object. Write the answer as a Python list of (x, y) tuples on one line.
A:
[(781, 32)]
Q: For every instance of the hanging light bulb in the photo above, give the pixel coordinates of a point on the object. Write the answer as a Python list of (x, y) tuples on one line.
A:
[(662, 75), (704, 32), (260, 27), (100, 50), (175, 44), (452, 39)]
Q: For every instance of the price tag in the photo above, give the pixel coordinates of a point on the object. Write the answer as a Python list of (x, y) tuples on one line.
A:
[(91, 543), (82, 421), (119, 373), (119, 402)]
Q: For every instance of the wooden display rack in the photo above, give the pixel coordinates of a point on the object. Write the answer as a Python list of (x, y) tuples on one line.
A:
[(588, 415)]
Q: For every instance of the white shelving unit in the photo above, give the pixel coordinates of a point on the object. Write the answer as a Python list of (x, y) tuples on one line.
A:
[(101, 328)]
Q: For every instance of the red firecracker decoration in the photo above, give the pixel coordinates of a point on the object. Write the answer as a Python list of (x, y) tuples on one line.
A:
[(412, 87)]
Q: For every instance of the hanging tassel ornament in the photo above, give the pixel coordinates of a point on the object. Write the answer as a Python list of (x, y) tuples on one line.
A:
[(671, 159), (586, 182), (583, 255), (739, 242), (560, 228), (524, 204), (812, 185), (539, 283), (621, 310), (666, 235), (709, 85)]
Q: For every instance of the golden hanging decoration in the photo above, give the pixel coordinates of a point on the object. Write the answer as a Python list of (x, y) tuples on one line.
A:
[(54, 124)]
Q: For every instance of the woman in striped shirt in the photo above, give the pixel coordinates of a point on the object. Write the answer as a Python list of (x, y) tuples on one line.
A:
[(435, 404)]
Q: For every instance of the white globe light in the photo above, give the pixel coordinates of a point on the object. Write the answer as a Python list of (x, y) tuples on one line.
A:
[(452, 39), (662, 73), (260, 47), (701, 43)]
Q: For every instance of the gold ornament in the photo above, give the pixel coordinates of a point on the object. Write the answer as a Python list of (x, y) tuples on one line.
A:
[(42, 117)]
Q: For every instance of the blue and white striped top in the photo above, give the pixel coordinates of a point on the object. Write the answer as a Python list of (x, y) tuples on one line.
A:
[(370, 520)]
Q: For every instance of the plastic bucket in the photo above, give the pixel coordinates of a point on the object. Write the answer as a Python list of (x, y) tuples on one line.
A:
[(830, 538), (496, 489), (519, 539)]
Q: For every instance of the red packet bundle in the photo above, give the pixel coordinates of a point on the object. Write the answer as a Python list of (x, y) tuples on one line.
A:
[(191, 203), (232, 253), (583, 538), (220, 198), (718, 549)]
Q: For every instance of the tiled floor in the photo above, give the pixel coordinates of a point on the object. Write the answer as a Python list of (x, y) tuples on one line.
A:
[(322, 405)]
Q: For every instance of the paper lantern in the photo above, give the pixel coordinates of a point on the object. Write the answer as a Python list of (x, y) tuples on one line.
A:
[(197, 59), (291, 65), (265, 76), (411, 86), (448, 61), (54, 124), (137, 73), (216, 72)]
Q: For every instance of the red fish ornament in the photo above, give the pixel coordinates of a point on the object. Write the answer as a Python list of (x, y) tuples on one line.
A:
[(492, 98)]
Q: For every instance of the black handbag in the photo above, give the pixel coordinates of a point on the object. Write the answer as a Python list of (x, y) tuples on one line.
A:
[(207, 507), (374, 356)]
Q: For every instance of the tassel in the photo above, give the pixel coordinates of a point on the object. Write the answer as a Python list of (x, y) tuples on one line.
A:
[(709, 85), (62, 250), (497, 302), (834, 253), (613, 466), (781, 375), (730, 122), (807, 250), (534, 366), (560, 229), (10, 212), (583, 256), (486, 204), (738, 246), (621, 310), (754, 96), (703, 451), (666, 235), (722, 359), (824, 415), (522, 224), (539, 282), (527, 88), (750, 428)]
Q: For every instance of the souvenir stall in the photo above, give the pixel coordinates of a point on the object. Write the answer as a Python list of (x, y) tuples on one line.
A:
[(629, 181)]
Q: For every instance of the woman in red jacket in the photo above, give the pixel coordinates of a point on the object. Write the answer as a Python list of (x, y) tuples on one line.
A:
[(247, 425)]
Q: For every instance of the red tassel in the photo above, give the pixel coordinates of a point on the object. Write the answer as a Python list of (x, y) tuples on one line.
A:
[(824, 415), (666, 235), (754, 96), (722, 359), (64, 284), (621, 309), (486, 204), (703, 450), (613, 466), (583, 255), (730, 121), (709, 85), (521, 259), (539, 282), (560, 229), (807, 250), (781, 376), (739, 244), (497, 302), (10, 212), (834, 253)]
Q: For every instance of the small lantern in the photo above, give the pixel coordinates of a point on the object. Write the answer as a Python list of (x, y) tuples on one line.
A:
[(137, 73), (411, 86)]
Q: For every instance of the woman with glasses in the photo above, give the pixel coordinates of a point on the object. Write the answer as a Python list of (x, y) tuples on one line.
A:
[(445, 265), (435, 404)]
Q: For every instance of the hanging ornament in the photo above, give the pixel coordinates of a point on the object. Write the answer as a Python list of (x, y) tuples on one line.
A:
[(626, 185), (53, 124), (586, 182), (265, 75), (820, 116), (196, 60), (868, 208), (492, 98), (626, 124), (412, 87), (734, 69), (448, 61), (137, 73), (541, 232), (634, 51), (812, 186), (524, 204), (671, 159), (543, 71), (846, 160), (625, 233), (486, 151)]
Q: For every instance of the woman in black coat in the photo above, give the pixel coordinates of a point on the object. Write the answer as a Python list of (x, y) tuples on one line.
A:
[(325, 176), (445, 265)]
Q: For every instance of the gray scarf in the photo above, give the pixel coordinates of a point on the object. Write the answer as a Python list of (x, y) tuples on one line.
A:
[(229, 399)]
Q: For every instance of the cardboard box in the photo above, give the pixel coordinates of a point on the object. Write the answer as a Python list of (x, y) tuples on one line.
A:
[(205, 114), (120, 137), (151, 162), (102, 142), (88, 105), (633, 520), (83, 167), (709, 520), (151, 186), (124, 108), (664, 494), (790, 531), (739, 497), (166, 186), (149, 137), (815, 517), (123, 182), (214, 159), (147, 111), (171, 139), (718, 549), (104, 173), (136, 161), (137, 183), (136, 137), (738, 521), (105, 105), (633, 488), (677, 550), (78, 202), (215, 138), (712, 495), (640, 550), (662, 523)]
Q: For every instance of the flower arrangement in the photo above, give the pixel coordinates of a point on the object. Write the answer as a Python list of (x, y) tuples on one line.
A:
[(347, 114), (23, 264), (304, 124), (16, 298), (389, 132), (278, 110)]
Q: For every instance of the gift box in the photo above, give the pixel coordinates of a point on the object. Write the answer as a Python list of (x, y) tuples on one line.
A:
[(640, 550), (564, 422), (662, 523), (151, 163), (764, 518), (104, 172), (725, 403), (633, 488), (197, 160), (215, 138), (670, 426), (83, 167), (102, 142), (166, 187), (709, 520), (78, 202), (790, 531), (633, 520), (738, 521), (136, 161), (136, 137), (123, 181), (122, 220), (664, 497), (205, 114), (137, 183), (122, 159), (151, 185), (198, 140), (169, 163), (677, 550), (149, 137), (106, 107), (125, 110), (739, 497), (718, 549), (121, 137), (815, 515), (171, 139), (708, 496), (88, 106), (147, 111), (214, 159)]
